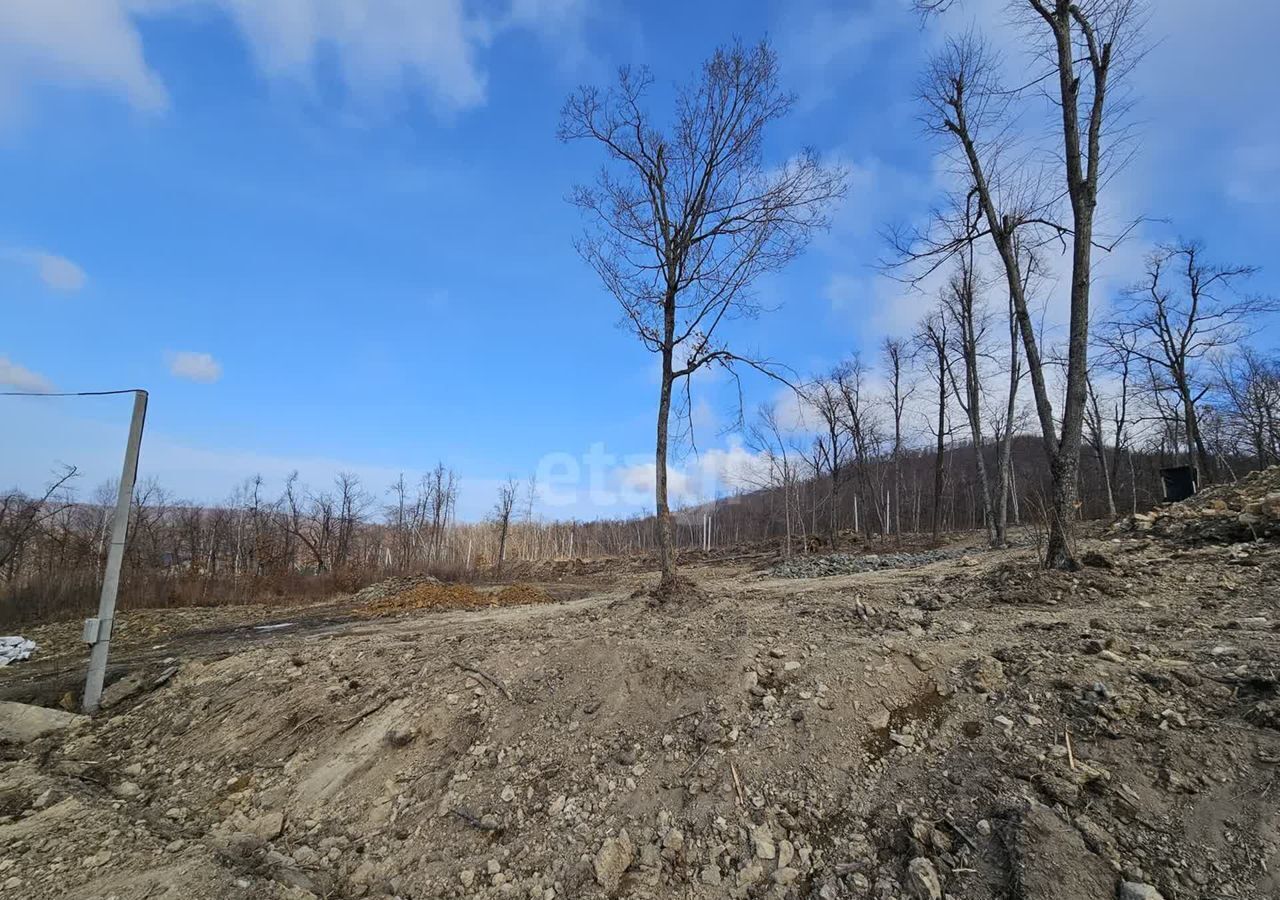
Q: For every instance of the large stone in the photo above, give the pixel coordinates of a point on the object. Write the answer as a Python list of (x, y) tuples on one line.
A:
[(612, 860), (21, 722), (269, 826), (1135, 890), (762, 842), (922, 880), (986, 674), (122, 689)]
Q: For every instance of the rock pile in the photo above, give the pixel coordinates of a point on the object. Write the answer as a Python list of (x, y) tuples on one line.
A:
[(852, 564), (1246, 510)]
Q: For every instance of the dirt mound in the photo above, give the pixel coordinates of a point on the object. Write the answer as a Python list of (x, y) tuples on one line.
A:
[(434, 595), (1246, 510), (390, 587), (1015, 582)]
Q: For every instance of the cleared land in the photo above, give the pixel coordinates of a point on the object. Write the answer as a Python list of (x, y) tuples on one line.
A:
[(971, 726)]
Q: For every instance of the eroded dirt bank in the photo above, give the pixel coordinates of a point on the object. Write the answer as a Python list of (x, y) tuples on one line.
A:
[(970, 727)]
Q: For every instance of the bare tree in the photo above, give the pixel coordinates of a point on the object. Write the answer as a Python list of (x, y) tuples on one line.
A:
[(401, 517), (1182, 312), (507, 494), (931, 341), (831, 446), (353, 506), (309, 518), (682, 220), (1251, 385), (782, 470), (961, 304), (865, 440), (896, 353), (20, 515), (1095, 422), (1086, 46)]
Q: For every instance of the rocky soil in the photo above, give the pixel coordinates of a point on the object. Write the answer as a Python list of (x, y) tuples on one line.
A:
[(969, 727), (1246, 510), (820, 566)]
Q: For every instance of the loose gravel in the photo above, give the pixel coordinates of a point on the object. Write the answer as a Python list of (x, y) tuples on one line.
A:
[(851, 564)]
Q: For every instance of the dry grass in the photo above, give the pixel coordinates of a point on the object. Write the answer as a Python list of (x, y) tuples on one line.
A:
[(455, 596)]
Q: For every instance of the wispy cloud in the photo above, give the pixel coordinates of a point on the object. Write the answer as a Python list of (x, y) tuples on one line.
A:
[(382, 50), (193, 366), (57, 272), (20, 378)]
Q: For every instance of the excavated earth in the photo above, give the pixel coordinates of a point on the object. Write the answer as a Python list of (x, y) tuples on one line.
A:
[(967, 728)]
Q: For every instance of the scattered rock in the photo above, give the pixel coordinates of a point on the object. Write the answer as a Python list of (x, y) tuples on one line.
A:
[(922, 880), (986, 674), (268, 827), (612, 860), (122, 689)]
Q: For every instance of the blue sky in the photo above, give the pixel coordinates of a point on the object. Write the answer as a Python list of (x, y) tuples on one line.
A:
[(334, 236)]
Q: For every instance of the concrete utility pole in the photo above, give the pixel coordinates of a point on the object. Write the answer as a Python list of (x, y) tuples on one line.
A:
[(98, 631)]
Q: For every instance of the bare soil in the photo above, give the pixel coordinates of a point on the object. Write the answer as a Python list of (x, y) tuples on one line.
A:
[(975, 727)]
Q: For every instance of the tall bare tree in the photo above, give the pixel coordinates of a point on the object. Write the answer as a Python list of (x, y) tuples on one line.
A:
[(961, 304), (1182, 312), (1007, 426), (1085, 46), (896, 354), (781, 470), (508, 491), (931, 341), (864, 438), (831, 448), (683, 218)]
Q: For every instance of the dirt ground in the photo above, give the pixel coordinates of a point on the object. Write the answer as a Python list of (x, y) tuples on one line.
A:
[(973, 728)]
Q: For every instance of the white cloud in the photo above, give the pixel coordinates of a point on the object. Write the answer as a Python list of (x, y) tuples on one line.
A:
[(57, 272), (74, 43), (720, 470), (382, 50), (19, 378), (716, 472), (194, 366)]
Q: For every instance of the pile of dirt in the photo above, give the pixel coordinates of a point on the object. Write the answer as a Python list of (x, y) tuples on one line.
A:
[(434, 595), (390, 587), (1245, 510), (885, 735)]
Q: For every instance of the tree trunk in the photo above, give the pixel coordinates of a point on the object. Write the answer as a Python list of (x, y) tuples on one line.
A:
[(1062, 510), (939, 461), (834, 524), (1082, 172), (666, 538), (502, 545), (1196, 451)]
